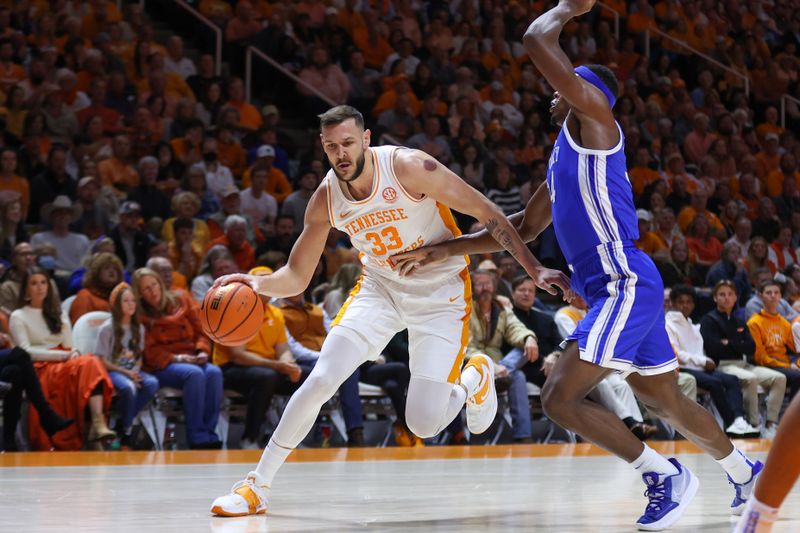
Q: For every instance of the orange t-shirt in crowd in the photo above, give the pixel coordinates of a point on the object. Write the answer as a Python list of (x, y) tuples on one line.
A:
[(271, 334), (245, 256), (248, 114), (86, 301), (20, 185), (114, 172), (277, 183)]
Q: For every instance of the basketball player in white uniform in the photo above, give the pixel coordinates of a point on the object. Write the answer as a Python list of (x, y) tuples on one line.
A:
[(388, 200)]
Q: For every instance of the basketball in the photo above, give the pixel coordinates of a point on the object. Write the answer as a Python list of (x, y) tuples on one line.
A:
[(231, 315)]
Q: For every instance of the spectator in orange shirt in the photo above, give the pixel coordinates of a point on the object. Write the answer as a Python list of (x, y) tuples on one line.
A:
[(699, 140), (369, 40), (388, 99), (188, 149), (235, 240), (112, 120), (244, 26), (249, 117), (769, 159), (117, 171), (698, 206), (10, 72), (663, 95), (161, 266), (230, 151), (277, 183), (9, 181), (103, 273), (770, 124), (699, 239), (786, 172), (641, 174), (641, 18)]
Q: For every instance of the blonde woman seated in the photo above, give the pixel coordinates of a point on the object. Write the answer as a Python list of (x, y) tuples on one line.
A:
[(120, 344), (176, 352), (71, 381), (187, 205)]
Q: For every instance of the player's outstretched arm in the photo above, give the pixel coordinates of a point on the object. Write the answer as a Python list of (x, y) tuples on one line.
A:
[(293, 278), (529, 223), (421, 174), (541, 43)]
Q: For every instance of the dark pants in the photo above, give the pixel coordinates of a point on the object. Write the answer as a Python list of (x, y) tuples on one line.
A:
[(393, 378), (792, 379), (16, 368), (258, 385), (726, 393)]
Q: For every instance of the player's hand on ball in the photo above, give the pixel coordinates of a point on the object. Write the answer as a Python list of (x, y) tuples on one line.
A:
[(409, 262), (550, 280), (247, 279)]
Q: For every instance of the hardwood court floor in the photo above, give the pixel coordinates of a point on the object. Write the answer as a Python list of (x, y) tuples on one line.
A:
[(547, 488)]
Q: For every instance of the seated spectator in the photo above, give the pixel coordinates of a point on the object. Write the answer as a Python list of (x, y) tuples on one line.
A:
[(296, 203), (120, 345), (187, 205), (277, 183), (117, 171), (54, 181), (71, 381), (679, 266), (70, 247), (189, 149), (688, 345), (758, 257), (504, 192), (755, 304), (729, 267), (218, 176), (176, 62), (231, 204), (249, 117), (258, 204), (491, 326), (230, 151), (706, 248), (789, 199), (342, 283), (217, 262), (183, 254), (243, 26), (781, 254), (149, 195), (176, 353), (12, 227), (195, 182), (172, 279), (10, 181), (235, 240), (307, 325), (131, 244), (773, 336), (431, 141), (94, 220), (742, 231), (698, 207), (766, 224), (324, 76), (17, 370), (102, 275), (22, 259), (728, 342), (260, 369)]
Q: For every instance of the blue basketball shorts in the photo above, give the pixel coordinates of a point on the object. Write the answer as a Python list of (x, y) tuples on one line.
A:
[(624, 326)]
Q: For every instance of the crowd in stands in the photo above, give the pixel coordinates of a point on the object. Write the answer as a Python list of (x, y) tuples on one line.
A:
[(133, 174)]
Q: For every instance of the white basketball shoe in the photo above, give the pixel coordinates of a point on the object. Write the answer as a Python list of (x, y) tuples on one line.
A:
[(247, 497), (482, 405)]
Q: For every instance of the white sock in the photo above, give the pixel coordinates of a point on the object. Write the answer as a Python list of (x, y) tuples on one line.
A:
[(757, 517), (737, 465), (650, 461), (271, 460), (470, 379)]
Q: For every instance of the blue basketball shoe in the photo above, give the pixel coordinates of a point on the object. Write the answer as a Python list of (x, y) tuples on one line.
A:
[(743, 490), (669, 497)]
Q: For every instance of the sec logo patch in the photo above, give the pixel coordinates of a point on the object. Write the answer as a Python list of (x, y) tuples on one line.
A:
[(389, 194)]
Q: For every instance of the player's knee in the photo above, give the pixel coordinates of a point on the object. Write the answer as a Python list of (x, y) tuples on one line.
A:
[(556, 403), (320, 386), (423, 426)]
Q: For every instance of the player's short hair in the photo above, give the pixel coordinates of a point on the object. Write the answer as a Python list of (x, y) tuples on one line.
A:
[(336, 115), (681, 290), (607, 76)]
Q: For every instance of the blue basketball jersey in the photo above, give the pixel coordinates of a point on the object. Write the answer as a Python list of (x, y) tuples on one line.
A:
[(591, 196)]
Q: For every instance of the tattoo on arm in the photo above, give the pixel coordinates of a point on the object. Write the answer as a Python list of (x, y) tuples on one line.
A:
[(502, 236)]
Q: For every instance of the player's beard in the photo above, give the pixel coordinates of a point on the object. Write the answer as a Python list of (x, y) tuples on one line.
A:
[(359, 169)]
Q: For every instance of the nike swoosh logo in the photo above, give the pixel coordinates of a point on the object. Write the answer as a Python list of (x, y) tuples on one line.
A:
[(483, 386), (345, 214), (453, 299)]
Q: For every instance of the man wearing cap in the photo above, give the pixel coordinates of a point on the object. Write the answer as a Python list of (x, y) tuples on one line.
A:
[(235, 240), (130, 242), (93, 221), (277, 183), (70, 247)]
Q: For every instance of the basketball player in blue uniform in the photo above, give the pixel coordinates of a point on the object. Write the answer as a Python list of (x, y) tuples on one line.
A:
[(588, 198)]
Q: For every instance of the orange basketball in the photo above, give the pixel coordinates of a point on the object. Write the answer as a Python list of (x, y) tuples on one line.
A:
[(231, 315)]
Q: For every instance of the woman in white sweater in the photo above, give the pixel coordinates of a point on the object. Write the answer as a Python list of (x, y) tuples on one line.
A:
[(71, 381)]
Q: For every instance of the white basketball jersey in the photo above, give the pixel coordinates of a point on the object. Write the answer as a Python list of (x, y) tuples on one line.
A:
[(391, 221)]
